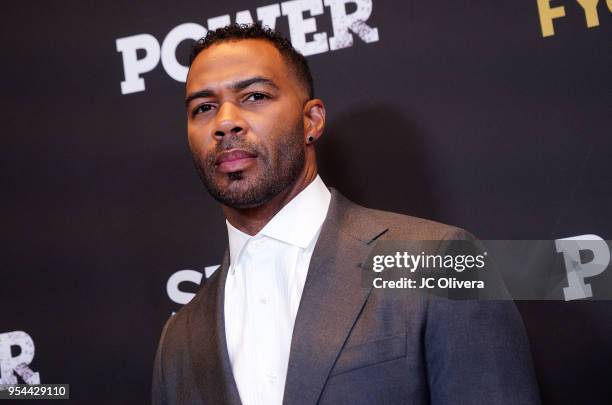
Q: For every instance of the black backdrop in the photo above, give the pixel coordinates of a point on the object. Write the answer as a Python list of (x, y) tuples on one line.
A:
[(462, 112)]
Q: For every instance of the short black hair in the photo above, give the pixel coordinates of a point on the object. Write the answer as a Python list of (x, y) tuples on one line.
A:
[(236, 32)]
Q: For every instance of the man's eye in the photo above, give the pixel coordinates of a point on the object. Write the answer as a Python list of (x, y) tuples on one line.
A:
[(201, 109), (257, 97)]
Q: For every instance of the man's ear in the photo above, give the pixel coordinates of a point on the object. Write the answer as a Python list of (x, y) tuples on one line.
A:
[(314, 119)]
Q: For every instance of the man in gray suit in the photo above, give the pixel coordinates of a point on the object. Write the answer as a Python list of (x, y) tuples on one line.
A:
[(287, 318)]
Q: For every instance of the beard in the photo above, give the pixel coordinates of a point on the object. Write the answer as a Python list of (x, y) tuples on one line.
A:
[(280, 167)]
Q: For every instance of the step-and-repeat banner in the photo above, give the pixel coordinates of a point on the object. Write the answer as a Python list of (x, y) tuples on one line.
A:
[(492, 116)]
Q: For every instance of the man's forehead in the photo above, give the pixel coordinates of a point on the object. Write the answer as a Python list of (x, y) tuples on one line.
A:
[(230, 61)]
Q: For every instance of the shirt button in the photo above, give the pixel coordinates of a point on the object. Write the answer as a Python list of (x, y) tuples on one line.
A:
[(263, 300), (271, 377)]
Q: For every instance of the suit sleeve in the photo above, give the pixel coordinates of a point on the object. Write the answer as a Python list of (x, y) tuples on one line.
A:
[(477, 351), (159, 393)]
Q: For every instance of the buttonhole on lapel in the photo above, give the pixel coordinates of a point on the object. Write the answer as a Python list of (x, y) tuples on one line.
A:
[(377, 236)]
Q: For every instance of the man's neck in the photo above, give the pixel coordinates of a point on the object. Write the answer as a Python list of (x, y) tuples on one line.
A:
[(252, 220)]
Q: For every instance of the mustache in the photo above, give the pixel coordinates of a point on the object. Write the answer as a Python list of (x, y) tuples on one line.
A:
[(237, 143), (228, 143)]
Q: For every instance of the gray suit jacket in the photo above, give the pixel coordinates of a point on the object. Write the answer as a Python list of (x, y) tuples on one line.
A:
[(356, 345)]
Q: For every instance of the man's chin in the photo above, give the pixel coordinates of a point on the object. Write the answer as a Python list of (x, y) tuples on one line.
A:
[(238, 191), (235, 177), (234, 182)]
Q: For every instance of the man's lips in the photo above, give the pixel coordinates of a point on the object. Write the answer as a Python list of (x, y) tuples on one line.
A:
[(234, 160)]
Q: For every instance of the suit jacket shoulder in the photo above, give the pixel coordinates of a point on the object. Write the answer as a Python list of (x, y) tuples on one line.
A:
[(357, 219)]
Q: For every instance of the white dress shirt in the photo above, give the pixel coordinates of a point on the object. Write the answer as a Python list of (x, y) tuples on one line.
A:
[(263, 291)]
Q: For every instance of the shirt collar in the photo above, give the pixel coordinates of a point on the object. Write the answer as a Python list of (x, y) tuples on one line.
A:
[(297, 223)]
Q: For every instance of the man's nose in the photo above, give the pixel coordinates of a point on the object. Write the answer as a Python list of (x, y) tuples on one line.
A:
[(229, 121)]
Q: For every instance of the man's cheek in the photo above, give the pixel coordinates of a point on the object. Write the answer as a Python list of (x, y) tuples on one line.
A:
[(200, 147), (194, 144)]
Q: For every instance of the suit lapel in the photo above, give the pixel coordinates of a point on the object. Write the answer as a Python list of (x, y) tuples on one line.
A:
[(332, 299), (208, 347)]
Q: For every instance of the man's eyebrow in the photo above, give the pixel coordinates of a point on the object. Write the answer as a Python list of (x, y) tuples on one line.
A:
[(243, 84), (237, 86), (199, 94)]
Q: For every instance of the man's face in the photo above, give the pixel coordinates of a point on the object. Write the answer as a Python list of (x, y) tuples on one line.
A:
[(245, 122)]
